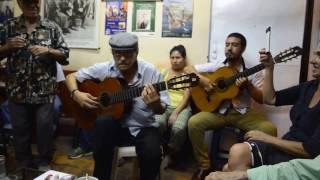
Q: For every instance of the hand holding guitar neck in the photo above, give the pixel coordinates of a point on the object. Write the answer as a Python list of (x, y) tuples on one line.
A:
[(151, 98), (241, 80)]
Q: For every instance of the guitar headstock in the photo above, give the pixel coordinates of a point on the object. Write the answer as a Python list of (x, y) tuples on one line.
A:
[(288, 54), (183, 81)]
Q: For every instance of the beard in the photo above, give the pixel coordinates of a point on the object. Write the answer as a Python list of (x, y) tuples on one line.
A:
[(229, 57)]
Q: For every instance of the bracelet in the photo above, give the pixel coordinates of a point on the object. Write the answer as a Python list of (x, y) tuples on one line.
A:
[(72, 93)]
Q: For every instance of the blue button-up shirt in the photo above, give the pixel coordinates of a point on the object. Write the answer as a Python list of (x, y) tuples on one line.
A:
[(140, 115)]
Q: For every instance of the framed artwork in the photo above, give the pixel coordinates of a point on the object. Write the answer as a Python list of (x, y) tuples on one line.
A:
[(78, 20), (6, 10), (116, 17), (177, 18), (143, 19)]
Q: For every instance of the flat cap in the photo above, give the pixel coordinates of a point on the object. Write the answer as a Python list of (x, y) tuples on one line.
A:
[(124, 41)]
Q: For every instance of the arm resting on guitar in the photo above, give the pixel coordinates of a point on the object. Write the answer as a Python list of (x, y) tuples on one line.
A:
[(84, 99), (204, 81), (71, 82)]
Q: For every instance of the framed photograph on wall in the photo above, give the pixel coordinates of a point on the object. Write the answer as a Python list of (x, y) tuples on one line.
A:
[(78, 20), (6, 10), (177, 18), (143, 19)]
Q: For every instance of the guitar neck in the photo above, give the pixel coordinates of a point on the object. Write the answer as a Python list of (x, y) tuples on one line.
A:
[(245, 73), (126, 95)]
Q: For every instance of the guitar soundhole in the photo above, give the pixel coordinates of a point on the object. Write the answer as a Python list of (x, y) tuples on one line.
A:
[(221, 84), (104, 99)]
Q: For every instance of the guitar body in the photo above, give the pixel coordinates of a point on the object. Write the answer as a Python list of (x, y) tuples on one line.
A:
[(86, 118), (109, 85), (209, 102)]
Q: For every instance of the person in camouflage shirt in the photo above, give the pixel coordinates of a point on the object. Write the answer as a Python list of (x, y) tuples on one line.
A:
[(32, 46)]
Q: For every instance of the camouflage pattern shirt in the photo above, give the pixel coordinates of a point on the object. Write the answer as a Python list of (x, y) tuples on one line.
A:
[(32, 79)]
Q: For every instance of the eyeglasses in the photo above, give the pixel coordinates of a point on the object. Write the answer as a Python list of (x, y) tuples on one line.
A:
[(125, 54)]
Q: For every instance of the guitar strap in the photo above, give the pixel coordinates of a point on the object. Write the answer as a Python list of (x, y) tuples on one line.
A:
[(243, 64)]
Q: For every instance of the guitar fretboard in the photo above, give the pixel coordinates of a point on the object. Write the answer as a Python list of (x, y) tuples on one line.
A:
[(133, 92), (245, 73)]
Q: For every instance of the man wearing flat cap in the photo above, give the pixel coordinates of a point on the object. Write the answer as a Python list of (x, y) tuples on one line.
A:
[(137, 126), (32, 46)]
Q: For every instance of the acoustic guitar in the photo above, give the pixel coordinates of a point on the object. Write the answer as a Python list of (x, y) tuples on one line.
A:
[(225, 78), (115, 96)]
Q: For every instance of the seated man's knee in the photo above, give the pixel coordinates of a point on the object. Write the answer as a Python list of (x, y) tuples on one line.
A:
[(193, 123), (154, 154), (239, 157), (238, 150), (225, 168)]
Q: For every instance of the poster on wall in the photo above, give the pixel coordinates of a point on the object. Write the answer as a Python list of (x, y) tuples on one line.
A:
[(116, 17), (143, 19), (78, 20), (6, 10), (177, 18)]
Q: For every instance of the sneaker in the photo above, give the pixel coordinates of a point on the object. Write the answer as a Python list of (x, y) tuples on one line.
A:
[(201, 174), (78, 153)]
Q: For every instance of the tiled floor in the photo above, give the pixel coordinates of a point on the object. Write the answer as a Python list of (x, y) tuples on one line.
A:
[(82, 166)]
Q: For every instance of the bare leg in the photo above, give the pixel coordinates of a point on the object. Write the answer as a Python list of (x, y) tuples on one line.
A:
[(239, 158)]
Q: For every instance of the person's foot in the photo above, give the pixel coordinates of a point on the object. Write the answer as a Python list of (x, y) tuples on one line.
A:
[(200, 174), (73, 28), (78, 153)]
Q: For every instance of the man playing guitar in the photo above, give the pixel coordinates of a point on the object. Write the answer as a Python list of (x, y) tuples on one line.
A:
[(138, 126), (234, 112)]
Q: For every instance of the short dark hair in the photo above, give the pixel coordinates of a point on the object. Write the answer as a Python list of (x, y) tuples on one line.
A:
[(181, 49), (241, 37)]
